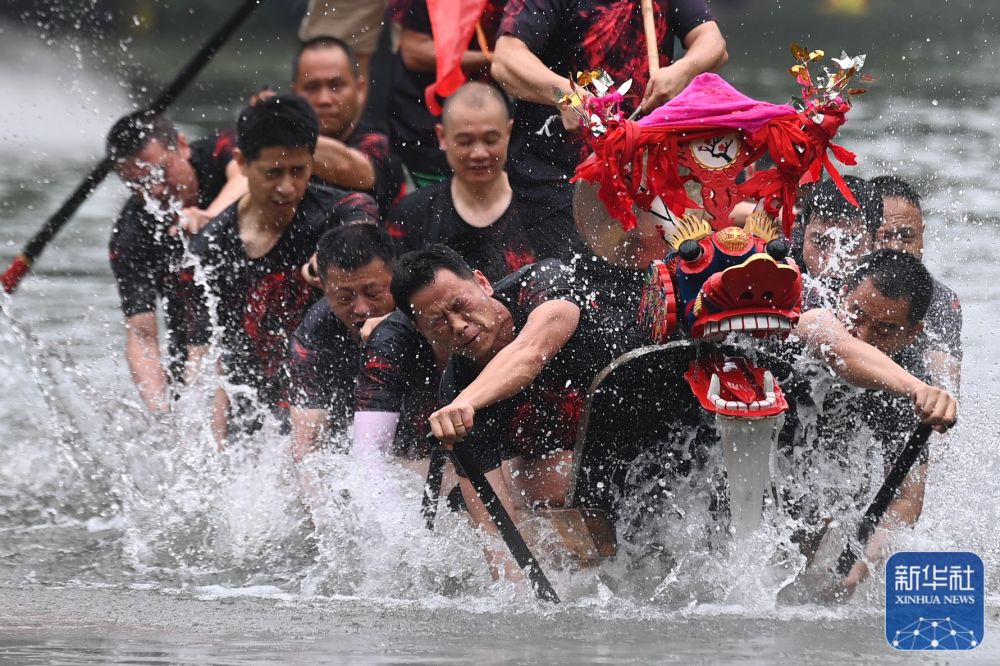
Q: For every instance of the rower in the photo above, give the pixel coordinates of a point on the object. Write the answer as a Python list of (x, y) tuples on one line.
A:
[(250, 257), (348, 154), (523, 352), (885, 304), (175, 184), (833, 235), (396, 374), (475, 212), (355, 267), (903, 229), (868, 343)]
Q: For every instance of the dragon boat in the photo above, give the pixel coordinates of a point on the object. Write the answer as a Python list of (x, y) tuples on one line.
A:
[(658, 195)]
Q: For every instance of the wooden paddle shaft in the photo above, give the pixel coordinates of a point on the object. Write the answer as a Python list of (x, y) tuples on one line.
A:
[(649, 26)]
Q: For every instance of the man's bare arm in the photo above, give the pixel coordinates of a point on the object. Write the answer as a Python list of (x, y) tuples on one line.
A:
[(417, 49), (866, 367), (308, 428), (142, 350), (548, 329), (341, 165), (522, 74), (705, 52), (904, 511)]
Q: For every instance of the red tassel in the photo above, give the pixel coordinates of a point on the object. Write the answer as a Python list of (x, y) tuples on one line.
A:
[(15, 273)]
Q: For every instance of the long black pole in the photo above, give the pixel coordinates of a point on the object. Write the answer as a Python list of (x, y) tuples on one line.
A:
[(508, 530), (33, 249), (909, 455)]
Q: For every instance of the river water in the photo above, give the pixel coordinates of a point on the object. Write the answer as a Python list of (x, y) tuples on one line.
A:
[(126, 540)]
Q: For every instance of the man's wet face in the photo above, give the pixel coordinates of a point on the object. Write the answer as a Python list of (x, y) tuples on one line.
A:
[(458, 315), (360, 294), (880, 321), (832, 246), (277, 179), (902, 227), (162, 175), (327, 82)]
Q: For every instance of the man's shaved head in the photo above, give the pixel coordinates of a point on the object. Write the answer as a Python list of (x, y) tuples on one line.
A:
[(477, 96)]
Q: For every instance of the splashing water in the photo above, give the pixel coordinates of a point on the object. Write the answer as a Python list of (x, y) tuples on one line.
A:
[(94, 492)]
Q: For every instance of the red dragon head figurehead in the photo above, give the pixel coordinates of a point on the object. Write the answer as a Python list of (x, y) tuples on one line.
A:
[(683, 164)]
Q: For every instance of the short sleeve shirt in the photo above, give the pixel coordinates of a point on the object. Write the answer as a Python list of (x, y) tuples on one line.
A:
[(322, 363), (259, 302), (943, 323), (429, 216), (543, 418), (580, 35)]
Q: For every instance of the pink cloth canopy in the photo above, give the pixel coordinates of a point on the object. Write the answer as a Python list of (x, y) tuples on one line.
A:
[(710, 101)]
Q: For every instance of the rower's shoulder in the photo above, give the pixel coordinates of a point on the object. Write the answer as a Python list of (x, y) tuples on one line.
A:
[(349, 206), (945, 296), (132, 223), (396, 330), (320, 329)]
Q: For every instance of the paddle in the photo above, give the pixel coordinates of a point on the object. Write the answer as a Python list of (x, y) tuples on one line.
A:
[(466, 464), (33, 249), (893, 481), (432, 486)]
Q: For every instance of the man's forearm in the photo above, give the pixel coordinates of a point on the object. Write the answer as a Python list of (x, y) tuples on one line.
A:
[(522, 74), (860, 364), (344, 166), (235, 187), (220, 418), (142, 350), (510, 372), (192, 366), (308, 428)]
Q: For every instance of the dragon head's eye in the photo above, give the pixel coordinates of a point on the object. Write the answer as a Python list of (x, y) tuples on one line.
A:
[(690, 250), (778, 248)]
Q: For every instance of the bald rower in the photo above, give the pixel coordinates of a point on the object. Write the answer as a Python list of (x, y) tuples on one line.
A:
[(474, 212)]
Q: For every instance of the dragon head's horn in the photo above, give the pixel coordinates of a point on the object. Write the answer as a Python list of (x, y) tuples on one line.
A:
[(763, 226)]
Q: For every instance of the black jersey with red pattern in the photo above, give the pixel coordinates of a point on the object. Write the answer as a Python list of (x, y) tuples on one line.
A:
[(398, 373), (257, 303), (943, 323), (146, 260), (580, 35), (390, 184), (429, 216), (322, 363), (542, 418)]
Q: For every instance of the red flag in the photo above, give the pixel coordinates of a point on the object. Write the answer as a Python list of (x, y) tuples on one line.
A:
[(452, 23)]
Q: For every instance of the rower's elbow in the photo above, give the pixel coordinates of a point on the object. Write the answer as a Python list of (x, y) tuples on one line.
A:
[(723, 57), (499, 70), (502, 65)]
